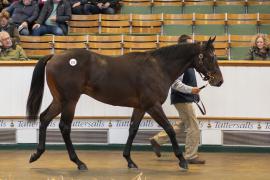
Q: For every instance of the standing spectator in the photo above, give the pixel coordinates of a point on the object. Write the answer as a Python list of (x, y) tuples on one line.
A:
[(104, 6), (81, 7), (23, 14), (53, 18), (6, 25), (9, 50), (260, 49), (183, 93), (4, 4)]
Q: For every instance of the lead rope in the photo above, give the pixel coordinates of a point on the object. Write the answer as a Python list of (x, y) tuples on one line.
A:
[(201, 107)]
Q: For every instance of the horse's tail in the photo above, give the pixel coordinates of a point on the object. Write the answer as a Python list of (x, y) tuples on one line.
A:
[(36, 89)]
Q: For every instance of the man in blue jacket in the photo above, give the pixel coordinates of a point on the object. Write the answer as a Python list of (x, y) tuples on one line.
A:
[(183, 93)]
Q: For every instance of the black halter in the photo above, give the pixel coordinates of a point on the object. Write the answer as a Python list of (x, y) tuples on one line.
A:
[(208, 75)]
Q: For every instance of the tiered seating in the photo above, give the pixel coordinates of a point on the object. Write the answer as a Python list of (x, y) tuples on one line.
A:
[(233, 7), (198, 7), (185, 6), (139, 43), (61, 43), (171, 24), (36, 46), (167, 6), (239, 46), (209, 24), (115, 44), (165, 21), (167, 40), (177, 24), (81, 24), (258, 7), (115, 24), (146, 23), (239, 24), (107, 45), (264, 23), (136, 6)]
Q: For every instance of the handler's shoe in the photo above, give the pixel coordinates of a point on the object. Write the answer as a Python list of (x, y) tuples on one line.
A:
[(196, 161), (156, 147)]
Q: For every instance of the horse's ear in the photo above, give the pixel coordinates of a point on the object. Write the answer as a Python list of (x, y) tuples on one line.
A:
[(210, 41)]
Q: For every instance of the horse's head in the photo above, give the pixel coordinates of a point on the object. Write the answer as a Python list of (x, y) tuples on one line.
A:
[(206, 63)]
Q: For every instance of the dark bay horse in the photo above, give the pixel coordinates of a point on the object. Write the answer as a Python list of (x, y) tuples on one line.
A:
[(140, 80)]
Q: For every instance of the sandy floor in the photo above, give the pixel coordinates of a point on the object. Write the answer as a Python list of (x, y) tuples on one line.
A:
[(55, 165)]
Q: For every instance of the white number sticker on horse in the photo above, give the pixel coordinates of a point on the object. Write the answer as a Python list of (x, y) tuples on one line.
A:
[(73, 62)]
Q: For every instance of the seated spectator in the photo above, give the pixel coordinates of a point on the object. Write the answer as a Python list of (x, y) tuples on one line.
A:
[(260, 49), (53, 18), (104, 6), (6, 25), (40, 3), (9, 50), (81, 7), (4, 4), (23, 14)]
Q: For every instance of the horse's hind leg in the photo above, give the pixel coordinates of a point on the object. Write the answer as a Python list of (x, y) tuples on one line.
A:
[(136, 118), (45, 118), (157, 113), (65, 127)]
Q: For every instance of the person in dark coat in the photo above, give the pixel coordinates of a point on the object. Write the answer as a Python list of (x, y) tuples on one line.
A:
[(53, 18), (81, 7), (260, 49), (104, 6), (23, 14)]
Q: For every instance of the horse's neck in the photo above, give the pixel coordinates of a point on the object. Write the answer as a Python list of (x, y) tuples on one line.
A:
[(176, 62)]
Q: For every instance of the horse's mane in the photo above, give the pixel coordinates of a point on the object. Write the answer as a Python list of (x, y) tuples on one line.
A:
[(176, 51)]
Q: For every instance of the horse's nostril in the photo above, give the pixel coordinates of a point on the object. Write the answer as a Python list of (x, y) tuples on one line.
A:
[(220, 83)]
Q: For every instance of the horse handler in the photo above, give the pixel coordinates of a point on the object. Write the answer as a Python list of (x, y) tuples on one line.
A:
[(183, 93)]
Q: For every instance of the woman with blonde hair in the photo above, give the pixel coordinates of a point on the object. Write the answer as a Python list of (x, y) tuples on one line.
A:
[(260, 49)]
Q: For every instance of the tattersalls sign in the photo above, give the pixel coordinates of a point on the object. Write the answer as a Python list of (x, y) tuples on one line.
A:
[(145, 124), (117, 128), (235, 125)]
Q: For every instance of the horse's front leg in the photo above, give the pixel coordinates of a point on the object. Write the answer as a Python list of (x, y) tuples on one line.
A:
[(136, 118), (65, 127), (45, 118), (157, 113)]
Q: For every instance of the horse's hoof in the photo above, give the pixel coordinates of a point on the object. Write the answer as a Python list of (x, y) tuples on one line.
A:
[(132, 166), (183, 165), (33, 157), (82, 167)]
